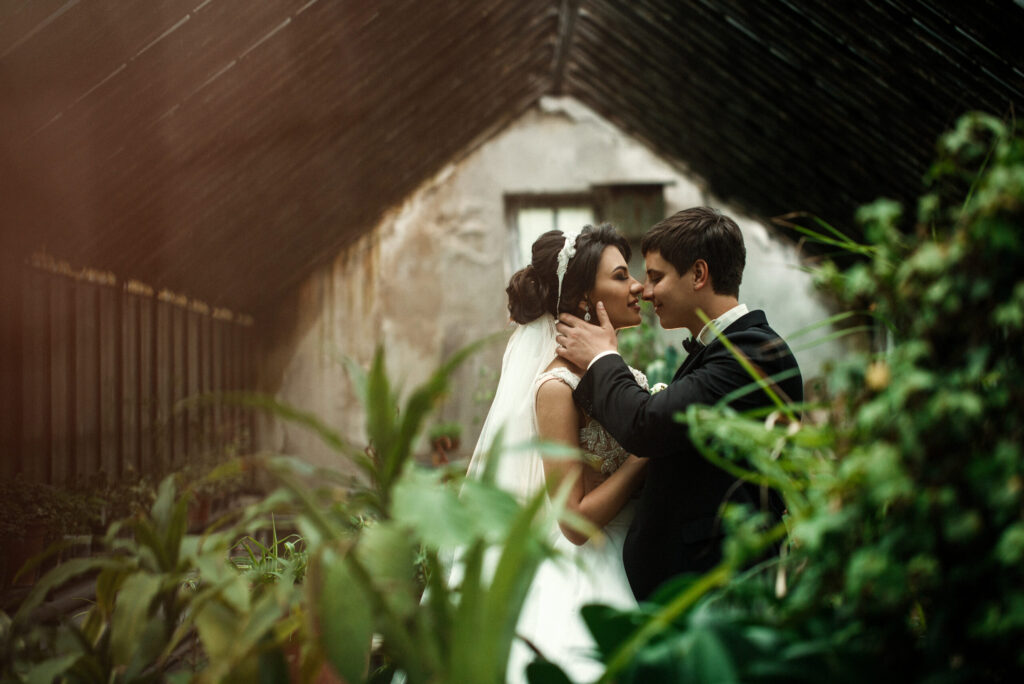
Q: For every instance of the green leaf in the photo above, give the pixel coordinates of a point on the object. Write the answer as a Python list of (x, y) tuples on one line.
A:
[(425, 505), (387, 552), (50, 670), (609, 626), (710, 658), (521, 555), (131, 613), (381, 410), (160, 513), (345, 617), (545, 672), (58, 577)]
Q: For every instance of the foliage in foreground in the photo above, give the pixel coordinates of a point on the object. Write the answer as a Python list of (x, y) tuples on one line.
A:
[(906, 506), (228, 606)]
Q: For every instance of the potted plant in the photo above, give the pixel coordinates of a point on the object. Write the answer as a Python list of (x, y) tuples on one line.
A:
[(444, 438)]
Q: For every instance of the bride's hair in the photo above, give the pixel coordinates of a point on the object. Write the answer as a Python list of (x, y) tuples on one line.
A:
[(533, 291)]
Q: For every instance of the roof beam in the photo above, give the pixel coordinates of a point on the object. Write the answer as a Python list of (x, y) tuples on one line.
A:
[(567, 14)]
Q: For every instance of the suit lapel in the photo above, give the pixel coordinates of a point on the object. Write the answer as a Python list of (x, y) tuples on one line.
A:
[(688, 363), (749, 320)]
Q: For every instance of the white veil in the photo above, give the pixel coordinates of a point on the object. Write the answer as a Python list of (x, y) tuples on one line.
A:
[(520, 471)]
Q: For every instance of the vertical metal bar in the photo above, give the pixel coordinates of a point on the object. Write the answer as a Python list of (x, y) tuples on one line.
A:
[(164, 369), (36, 375), (109, 343), (179, 369), (87, 392), (128, 406)]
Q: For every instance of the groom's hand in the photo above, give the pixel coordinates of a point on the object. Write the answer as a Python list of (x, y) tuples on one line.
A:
[(579, 342)]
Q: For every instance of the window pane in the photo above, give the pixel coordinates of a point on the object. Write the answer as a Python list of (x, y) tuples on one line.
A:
[(532, 223), (535, 221), (573, 218)]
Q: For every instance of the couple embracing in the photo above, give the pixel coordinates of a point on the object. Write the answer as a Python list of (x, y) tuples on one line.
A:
[(640, 479)]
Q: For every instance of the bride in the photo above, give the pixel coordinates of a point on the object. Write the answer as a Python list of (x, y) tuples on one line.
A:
[(568, 273)]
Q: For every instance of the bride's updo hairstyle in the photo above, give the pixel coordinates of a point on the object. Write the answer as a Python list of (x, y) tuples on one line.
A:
[(533, 291)]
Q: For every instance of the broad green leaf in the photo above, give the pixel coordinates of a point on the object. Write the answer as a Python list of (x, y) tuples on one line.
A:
[(58, 577), (345, 618), (523, 550), (131, 613), (150, 641), (217, 623), (381, 410), (492, 510), (428, 507), (50, 670), (150, 540), (387, 552), (710, 658), (160, 513), (609, 626), (545, 672)]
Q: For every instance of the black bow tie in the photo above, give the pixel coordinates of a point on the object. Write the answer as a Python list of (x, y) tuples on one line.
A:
[(692, 345)]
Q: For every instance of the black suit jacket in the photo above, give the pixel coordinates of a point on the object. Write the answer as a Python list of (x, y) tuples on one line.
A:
[(676, 528)]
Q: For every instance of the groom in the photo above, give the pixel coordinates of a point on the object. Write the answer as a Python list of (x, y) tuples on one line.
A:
[(694, 263)]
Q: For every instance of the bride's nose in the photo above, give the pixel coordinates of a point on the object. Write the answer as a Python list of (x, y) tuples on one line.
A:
[(636, 287)]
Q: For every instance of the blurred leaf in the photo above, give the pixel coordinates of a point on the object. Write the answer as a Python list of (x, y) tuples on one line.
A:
[(710, 658), (609, 626), (50, 670), (545, 672), (387, 553), (131, 612), (424, 504), (345, 617)]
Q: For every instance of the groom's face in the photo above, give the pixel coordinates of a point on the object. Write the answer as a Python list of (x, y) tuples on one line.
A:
[(665, 289)]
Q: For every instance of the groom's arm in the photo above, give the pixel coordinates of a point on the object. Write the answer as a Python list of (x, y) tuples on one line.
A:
[(645, 424)]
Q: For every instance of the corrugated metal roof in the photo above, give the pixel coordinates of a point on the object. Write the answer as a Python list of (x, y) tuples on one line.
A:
[(225, 147), (790, 105)]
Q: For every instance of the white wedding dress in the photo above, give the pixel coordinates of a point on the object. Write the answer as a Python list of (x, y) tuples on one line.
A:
[(578, 575)]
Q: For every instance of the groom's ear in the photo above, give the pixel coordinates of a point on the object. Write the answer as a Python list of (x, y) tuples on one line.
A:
[(701, 274)]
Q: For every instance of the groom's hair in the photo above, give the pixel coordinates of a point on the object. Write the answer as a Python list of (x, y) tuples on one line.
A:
[(701, 233)]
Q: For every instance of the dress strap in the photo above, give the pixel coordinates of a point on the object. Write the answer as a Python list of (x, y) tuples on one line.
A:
[(558, 373)]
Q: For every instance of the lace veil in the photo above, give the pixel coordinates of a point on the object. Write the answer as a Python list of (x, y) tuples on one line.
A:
[(520, 470), (531, 348)]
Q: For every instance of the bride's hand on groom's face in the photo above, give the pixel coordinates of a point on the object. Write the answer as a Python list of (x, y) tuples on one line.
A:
[(579, 342)]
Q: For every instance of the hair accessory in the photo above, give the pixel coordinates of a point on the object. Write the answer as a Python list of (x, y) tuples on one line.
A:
[(567, 252)]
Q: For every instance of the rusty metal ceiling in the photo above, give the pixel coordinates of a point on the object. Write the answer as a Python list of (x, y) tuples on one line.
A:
[(224, 148)]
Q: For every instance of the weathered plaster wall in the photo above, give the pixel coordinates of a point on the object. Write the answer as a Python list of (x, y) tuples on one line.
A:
[(431, 277)]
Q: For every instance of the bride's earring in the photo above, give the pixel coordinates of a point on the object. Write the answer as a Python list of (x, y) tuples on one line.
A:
[(586, 314)]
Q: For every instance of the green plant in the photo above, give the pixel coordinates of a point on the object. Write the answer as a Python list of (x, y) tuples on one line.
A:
[(269, 563), (906, 507), (365, 553), (155, 586), (449, 429), (365, 546)]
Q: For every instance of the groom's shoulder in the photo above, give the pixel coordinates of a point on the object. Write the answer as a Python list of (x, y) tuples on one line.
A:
[(753, 332), (753, 324)]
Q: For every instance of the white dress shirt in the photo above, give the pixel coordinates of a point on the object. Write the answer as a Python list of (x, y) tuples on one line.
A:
[(706, 335)]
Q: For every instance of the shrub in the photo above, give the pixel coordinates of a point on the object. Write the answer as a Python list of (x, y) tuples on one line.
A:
[(906, 516)]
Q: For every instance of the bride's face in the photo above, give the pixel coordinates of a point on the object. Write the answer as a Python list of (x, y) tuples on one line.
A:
[(619, 291)]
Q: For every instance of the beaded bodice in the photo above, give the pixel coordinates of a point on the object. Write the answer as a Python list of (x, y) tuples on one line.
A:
[(600, 449)]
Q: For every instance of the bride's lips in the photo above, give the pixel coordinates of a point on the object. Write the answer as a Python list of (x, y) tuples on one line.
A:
[(635, 305)]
